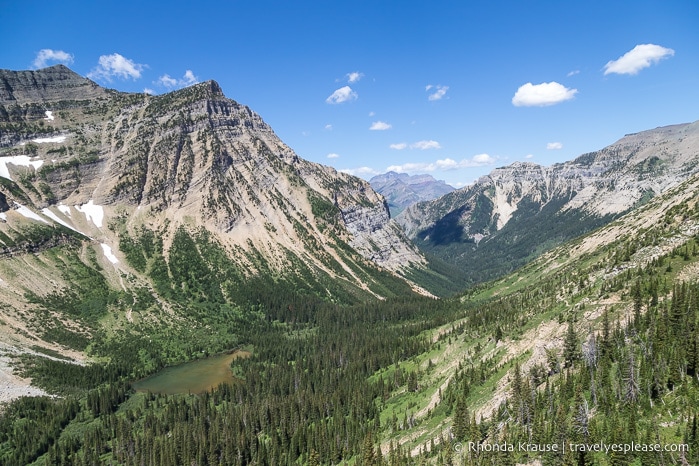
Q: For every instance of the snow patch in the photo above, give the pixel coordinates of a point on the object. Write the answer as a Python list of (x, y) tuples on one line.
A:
[(3, 216), (49, 115), (28, 213), (57, 219), (94, 213), (51, 139), (108, 253), (18, 160), (64, 209)]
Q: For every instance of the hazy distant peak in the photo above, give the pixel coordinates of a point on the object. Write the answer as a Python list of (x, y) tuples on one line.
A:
[(402, 190)]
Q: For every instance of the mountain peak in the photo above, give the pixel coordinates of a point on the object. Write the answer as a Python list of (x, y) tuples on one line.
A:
[(402, 190), (211, 88), (51, 84)]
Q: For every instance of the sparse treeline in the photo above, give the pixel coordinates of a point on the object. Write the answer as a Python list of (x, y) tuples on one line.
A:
[(630, 378)]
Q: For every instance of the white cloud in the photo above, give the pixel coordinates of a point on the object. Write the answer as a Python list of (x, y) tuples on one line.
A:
[(641, 56), (573, 73), (424, 145), (529, 156), (149, 91), (167, 81), (542, 95), (343, 94), (483, 159), (371, 114), (554, 146), (361, 171), (328, 127), (438, 94), (46, 55), (421, 145), (354, 76), (333, 156), (113, 65), (443, 164), (380, 126), (412, 167), (171, 83), (189, 78)]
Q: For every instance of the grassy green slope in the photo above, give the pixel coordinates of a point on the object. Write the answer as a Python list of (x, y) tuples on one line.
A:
[(627, 290)]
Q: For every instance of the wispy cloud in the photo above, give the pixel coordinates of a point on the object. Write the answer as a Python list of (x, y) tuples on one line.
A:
[(529, 156), (328, 127), (171, 83), (361, 171), (640, 57), (333, 156), (542, 95), (167, 81), (554, 146), (116, 65), (149, 91), (354, 76), (446, 164), (343, 94), (421, 145), (424, 145), (443, 164), (380, 126), (573, 73), (47, 55), (439, 91)]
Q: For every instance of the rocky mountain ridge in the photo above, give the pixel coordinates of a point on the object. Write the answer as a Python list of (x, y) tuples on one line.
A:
[(189, 157), (536, 207)]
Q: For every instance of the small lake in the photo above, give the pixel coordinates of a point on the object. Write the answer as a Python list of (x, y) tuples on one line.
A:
[(192, 377)]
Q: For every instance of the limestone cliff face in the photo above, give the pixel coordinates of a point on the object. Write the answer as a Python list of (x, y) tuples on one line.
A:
[(54, 84), (551, 204), (191, 157)]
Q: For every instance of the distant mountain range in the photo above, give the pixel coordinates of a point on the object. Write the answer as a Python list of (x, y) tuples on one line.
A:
[(402, 190), (519, 211)]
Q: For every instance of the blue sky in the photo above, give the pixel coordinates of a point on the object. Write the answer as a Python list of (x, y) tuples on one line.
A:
[(450, 88)]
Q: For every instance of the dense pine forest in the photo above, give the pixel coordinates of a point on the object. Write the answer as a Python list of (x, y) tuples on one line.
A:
[(338, 376), (304, 395)]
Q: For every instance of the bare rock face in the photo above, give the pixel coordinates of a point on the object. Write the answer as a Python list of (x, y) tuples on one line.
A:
[(523, 208), (54, 84), (191, 157)]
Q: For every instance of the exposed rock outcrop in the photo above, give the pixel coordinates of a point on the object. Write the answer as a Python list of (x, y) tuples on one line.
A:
[(190, 157), (524, 208)]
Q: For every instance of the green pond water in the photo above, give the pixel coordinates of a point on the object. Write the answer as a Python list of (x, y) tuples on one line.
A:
[(192, 377)]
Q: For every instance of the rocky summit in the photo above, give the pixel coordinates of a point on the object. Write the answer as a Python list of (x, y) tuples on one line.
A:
[(190, 158)]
